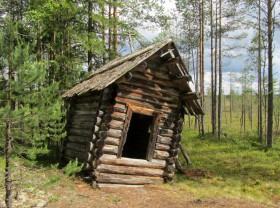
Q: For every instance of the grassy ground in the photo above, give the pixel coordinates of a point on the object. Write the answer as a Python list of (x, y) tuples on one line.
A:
[(237, 167)]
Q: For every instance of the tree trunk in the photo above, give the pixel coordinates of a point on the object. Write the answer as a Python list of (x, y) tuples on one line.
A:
[(212, 69), (90, 29), (202, 63), (215, 73), (110, 31), (115, 31), (270, 77), (230, 99), (260, 126), (220, 72), (8, 180)]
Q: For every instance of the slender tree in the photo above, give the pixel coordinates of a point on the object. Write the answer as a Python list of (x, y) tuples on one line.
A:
[(90, 30), (213, 94), (201, 58), (260, 119), (220, 73), (269, 134)]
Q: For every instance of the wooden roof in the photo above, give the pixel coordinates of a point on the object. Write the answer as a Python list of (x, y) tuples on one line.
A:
[(118, 67)]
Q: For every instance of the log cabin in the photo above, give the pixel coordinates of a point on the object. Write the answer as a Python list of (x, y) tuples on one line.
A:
[(125, 120)]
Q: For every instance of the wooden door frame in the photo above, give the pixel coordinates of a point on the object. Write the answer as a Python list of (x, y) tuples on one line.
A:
[(153, 135)]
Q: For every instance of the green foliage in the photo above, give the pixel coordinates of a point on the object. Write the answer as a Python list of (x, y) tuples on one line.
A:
[(72, 168), (37, 115)]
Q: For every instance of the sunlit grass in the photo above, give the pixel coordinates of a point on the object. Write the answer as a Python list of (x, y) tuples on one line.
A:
[(238, 166)]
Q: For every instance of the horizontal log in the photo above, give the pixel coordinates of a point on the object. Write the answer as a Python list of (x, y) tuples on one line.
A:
[(164, 140), (88, 99), (156, 74), (111, 185), (143, 110), (110, 149), (115, 133), (155, 94), (147, 98), (153, 106), (127, 179), (119, 116), (162, 155), (92, 112), (82, 118), (150, 78), (81, 139), (112, 141), (166, 132), (116, 124), (113, 160), (81, 125), (152, 86), (79, 147), (80, 132), (120, 108), (163, 147), (81, 156), (104, 168), (86, 106)]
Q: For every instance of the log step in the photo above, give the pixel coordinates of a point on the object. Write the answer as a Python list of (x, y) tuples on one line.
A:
[(111, 185), (127, 179), (137, 171), (113, 160)]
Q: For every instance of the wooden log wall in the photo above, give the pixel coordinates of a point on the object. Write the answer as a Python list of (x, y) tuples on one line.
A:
[(148, 91), (82, 124)]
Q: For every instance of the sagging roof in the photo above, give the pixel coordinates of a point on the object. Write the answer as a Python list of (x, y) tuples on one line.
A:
[(118, 67)]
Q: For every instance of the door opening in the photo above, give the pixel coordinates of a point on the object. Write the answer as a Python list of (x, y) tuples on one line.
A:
[(138, 136)]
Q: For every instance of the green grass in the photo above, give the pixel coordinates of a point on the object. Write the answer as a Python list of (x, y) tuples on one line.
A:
[(237, 166)]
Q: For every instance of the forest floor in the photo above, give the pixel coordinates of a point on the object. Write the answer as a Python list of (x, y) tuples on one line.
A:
[(52, 189), (234, 172)]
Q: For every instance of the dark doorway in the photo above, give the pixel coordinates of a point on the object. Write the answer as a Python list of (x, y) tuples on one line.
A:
[(138, 136)]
